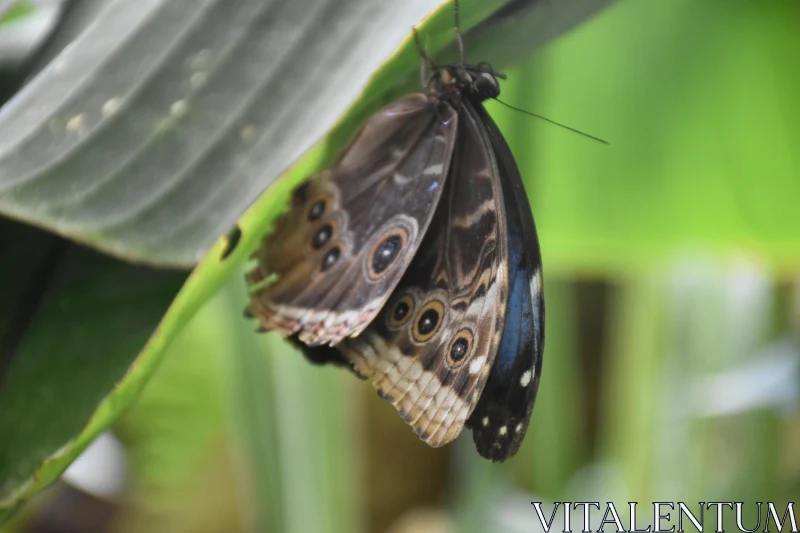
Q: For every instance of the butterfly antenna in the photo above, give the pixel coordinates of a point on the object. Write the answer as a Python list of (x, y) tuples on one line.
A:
[(560, 125), (424, 61), (459, 38)]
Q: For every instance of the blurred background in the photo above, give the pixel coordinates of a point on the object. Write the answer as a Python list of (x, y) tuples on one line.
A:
[(672, 286)]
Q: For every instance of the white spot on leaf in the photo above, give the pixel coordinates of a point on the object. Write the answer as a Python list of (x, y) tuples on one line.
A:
[(179, 108), (198, 79), (201, 59), (111, 106), (60, 66), (76, 124), (248, 133)]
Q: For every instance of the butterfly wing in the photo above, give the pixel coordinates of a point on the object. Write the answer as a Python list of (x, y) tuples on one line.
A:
[(501, 417), (334, 258), (430, 349)]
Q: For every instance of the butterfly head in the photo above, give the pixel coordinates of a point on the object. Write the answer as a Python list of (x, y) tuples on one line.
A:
[(478, 82)]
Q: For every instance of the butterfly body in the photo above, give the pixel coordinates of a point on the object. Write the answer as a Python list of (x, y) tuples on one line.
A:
[(435, 293)]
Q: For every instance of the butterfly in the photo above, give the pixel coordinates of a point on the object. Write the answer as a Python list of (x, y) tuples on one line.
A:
[(414, 260)]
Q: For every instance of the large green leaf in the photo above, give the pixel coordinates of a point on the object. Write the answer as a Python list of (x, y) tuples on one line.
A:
[(70, 321), (163, 119)]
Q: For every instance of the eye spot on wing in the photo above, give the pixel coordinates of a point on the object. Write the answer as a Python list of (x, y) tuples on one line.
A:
[(460, 348), (428, 320), (316, 210), (385, 251), (400, 312), (322, 236), (330, 258)]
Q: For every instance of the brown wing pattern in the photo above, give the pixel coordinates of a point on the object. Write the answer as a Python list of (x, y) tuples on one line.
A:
[(430, 349), (334, 258)]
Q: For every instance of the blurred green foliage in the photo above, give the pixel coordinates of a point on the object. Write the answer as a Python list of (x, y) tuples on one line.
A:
[(699, 103), (17, 12)]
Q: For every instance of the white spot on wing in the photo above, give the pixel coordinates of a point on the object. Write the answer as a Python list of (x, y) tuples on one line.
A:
[(503, 430), (526, 378), (485, 421), (476, 364), (433, 170), (518, 428), (400, 179), (536, 282)]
